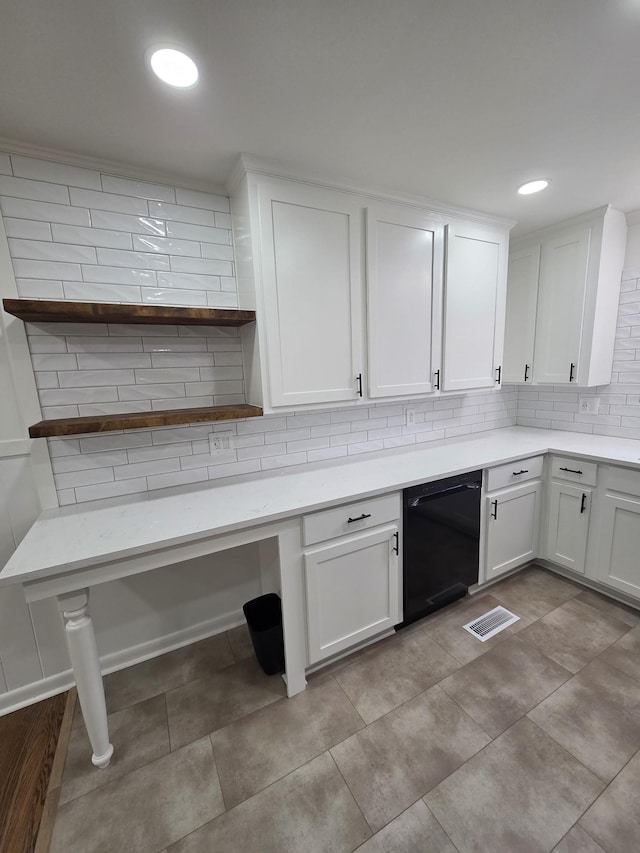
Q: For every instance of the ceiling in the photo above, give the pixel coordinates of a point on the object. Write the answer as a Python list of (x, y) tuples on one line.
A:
[(456, 100)]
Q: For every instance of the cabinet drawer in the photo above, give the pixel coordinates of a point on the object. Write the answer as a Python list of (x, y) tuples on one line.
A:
[(331, 523), (624, 480), (574, 470), (514, 473)]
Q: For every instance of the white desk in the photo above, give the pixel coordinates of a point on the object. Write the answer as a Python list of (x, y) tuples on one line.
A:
[(69, 550)]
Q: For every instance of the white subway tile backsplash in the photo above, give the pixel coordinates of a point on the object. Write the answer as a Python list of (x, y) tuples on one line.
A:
[(200, 233), (57, 173), (44, 379), (54, 361), (182, 403), (247, 466), (181, 359), (34, 190), (77, 343), (142, 469), (27, 229), (46, 269), (181, 213), (118, 275), (188, 281), (72, 396), (137, 189), (202, 266), (222, 300), (167, 375), (89, 291), (83, 461), (285, 461), (166, 245), (91, 236), (127, 222), (34, 288), (53, 412), (110, 490), (5, 165), (132, 260), (157, 391), (85, 477), (115, 441), (176, 478), (97, 361), (175, 344), (48, 251), (108, 201), (159, 296), (44, 211), (223, 220), (192, 198), (160, 451), (79, 378), (216, 252)]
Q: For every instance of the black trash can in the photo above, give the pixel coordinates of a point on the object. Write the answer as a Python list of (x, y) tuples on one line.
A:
[(264, 618)]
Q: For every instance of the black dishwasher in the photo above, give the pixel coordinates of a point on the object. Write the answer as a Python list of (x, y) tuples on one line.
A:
[(441, 533)]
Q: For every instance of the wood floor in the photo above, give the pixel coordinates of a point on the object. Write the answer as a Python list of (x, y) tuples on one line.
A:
[(29, 770)]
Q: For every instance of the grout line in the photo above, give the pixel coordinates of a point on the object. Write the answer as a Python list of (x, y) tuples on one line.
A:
[(354, 798)]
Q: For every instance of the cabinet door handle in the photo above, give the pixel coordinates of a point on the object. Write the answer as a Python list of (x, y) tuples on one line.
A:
[(359, 381), (571, 470), (583, 503), (494, 514), (522, 471), (571, 371), (436, 384), (396, 546), (359, 518), (526, 373), (499, 372)]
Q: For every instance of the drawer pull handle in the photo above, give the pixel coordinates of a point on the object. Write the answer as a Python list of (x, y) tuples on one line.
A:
[(570, 470), (494, 514), (396, 546), (571, 371), (583, 503), (522, 471), (437, 382), (359, 381), (526, 373), (359, 518)]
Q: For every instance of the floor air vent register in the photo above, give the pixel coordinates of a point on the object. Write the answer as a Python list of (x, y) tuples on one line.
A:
[(491, 623)]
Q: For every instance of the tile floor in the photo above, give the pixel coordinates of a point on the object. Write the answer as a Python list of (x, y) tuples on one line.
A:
[(428, 742)]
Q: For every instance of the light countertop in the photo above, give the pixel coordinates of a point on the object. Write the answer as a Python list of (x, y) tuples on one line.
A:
[(90, 534)]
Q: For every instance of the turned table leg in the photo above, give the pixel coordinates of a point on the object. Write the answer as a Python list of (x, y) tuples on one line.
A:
[(86, 669)]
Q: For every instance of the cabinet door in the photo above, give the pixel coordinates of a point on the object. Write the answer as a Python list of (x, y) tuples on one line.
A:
[(619, 563), (311, 243), (568, 525), (520, 322), (404, 294), (352, 589), (474, 306), (511, 524), (561, 296)]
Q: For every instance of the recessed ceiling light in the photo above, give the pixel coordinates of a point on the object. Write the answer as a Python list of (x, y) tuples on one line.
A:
[(533, 186), (174, 67)]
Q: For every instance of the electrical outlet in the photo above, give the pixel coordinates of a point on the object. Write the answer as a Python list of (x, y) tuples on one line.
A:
[(589, 405), (411, 417), (220, 442)]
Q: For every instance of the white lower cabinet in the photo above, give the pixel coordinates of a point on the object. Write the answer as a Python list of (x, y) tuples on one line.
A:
[(352, 590), (511, 527), (618, 563), (568, 525)]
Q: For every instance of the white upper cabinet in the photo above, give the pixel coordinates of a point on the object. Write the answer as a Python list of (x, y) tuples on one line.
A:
[(578, 288), (520, 322), (301, 250), (312, 282), (474, 306), (563, 280), (404, 301)]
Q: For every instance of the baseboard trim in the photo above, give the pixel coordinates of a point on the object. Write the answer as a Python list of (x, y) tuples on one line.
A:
[(28, 694)]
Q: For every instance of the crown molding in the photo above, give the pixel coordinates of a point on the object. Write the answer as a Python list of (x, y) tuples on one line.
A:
[(109, 167), (251, 164)]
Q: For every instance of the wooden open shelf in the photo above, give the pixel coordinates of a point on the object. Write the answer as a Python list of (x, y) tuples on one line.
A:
[(61, 311), (139, 420)]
